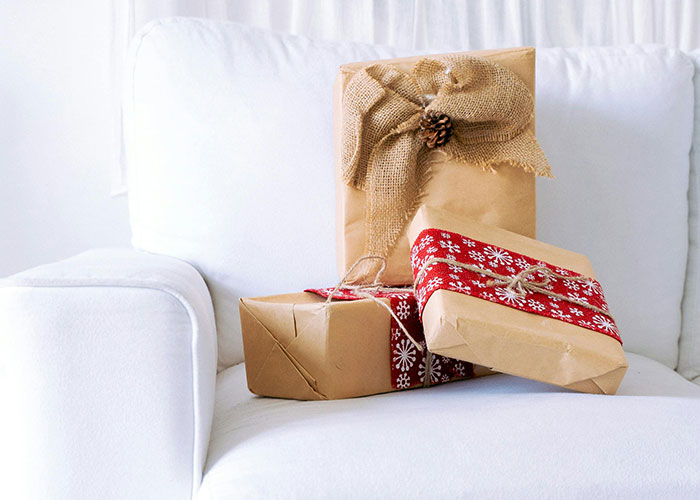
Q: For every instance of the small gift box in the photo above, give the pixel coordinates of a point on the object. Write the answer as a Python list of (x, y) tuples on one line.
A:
[(302, 346), (513, 304), (452, 130)]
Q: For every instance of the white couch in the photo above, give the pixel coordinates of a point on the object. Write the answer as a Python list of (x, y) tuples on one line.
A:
[(114, 384)]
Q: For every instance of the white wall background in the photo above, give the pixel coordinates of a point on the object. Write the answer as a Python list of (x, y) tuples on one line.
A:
[(60, 63), (56, 132)]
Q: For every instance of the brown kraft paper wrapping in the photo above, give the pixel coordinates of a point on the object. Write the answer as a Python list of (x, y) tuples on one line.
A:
[(512, 341), (505, 198), (298, 347)]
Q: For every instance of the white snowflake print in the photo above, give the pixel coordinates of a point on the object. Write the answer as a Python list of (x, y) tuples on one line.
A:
[(509, 296), (445, 378), (563, 272), (427, 240), (476, 256), (554, 305), (585, 324), (571, 285), (604, 323), (537, 306), (575, 312), (432, 250), (469, 243), (510, 269), (456, 269), (433, 283), (460, 370), (522, 263), (478, 284), (451, 256), (558, 314), (576, 296), (460, 287), (449, 246), (498, 255), (435, 370), (403, 310), (404, 355), (446, 235), (395, 333), (590, 287), (488, 296), (403, 381)]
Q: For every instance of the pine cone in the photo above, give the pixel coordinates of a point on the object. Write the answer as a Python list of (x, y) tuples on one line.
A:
[(435, 129)]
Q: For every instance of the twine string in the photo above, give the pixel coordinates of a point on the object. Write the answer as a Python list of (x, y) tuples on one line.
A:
[(365, 291), (518, 284)]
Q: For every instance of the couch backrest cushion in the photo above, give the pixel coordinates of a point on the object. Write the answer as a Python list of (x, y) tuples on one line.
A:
[(616, 124), (689, 356), (229, 142)]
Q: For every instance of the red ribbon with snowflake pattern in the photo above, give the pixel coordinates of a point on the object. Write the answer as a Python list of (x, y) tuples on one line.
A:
[(443, 260)]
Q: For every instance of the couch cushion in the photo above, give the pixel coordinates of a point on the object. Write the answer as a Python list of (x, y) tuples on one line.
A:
[(496, 437), (230, 150), (229, 144), (689, 356), (616, 124)]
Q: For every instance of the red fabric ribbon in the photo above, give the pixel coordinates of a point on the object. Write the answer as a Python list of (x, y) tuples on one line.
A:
[(408, 364), (436, 243)]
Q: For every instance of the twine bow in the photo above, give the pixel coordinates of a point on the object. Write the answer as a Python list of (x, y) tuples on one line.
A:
[(518, 283), (384, 152)]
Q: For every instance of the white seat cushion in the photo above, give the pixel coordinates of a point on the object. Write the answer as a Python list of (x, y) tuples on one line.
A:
[(495, 437)]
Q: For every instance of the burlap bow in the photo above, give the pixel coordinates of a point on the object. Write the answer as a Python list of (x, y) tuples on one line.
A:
[(489, 107)]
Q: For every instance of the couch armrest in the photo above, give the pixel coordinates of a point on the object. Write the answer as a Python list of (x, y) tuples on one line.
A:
[(109, 361)]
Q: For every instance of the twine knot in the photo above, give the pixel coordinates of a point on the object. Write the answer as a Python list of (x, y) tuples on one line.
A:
[(520, 285)]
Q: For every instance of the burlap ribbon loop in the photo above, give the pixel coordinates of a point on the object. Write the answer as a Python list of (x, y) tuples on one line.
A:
[(490, 109)]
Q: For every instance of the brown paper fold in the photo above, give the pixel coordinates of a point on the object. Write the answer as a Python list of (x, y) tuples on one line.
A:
[(298, 347), (512, 341), (505, 198)]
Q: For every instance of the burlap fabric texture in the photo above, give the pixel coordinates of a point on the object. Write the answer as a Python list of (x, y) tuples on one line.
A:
[(383, 154)]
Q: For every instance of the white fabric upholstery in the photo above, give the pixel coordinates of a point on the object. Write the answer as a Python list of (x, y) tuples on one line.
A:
[(109, 359), (496, 437), (689, 357), (616, 124), (207, 185)]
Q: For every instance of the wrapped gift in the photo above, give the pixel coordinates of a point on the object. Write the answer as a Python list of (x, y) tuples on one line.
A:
[(301, 346), (513, 304), (453, 131)]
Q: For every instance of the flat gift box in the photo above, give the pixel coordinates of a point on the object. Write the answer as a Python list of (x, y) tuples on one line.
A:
[(297, 346), (508, 339), (505, 199)]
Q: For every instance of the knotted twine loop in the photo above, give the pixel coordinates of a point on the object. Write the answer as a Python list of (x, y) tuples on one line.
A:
[(375, 286), (518, 283), (383, 153)]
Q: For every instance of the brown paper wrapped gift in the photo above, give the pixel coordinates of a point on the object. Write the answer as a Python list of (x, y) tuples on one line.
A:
[(297, 346), (454, 131), (479, 328)]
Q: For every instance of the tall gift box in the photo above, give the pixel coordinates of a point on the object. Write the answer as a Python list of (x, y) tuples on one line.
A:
[(513, 304), (301, 346), (454, 131)]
